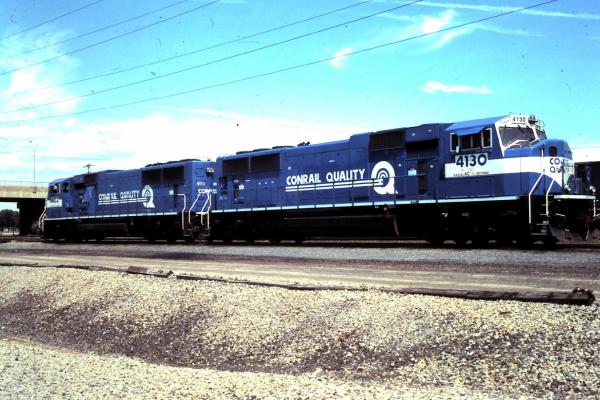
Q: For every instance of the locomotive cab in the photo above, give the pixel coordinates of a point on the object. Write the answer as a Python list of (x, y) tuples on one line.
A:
[(511, 159)]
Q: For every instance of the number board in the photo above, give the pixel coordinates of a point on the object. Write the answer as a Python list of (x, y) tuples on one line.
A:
[(468, 165)]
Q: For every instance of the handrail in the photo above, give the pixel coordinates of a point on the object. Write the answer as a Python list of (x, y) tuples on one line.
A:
[(208, 202), (535, 185), (183, 211), (595, 200), (192, 207), (206, 206), (41, 220), (531, 192), (547, 196)]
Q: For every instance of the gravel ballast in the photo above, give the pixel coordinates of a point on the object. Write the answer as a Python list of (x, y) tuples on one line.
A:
[(74, 333)]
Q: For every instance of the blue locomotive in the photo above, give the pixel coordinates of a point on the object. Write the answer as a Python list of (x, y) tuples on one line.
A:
[(160, 201), (491, 179)]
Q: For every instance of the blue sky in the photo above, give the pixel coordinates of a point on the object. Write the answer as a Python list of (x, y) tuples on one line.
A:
[(542, 61)]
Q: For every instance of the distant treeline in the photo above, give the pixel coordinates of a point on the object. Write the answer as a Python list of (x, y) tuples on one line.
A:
[(9, 219)]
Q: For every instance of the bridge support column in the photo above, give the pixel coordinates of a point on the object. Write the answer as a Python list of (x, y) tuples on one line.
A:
[(29, 212)]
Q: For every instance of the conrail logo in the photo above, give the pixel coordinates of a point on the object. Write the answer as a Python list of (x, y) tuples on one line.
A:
[(383, 175), (148, 195)]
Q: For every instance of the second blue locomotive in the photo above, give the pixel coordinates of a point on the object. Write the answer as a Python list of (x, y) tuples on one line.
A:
[(161, 201)]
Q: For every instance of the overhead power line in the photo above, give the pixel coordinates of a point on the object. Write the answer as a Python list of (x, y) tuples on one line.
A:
[(97, 30), (51, 20), (89, 46), (278, 71), (134, 83), (253, 35)]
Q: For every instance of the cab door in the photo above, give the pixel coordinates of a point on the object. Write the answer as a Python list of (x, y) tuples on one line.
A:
[(89, 200)]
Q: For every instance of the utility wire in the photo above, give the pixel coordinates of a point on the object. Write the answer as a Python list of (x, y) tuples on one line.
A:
[(93, 93), (98, 30), (109, 39), (294, 67), (194, 51), (51, 20)]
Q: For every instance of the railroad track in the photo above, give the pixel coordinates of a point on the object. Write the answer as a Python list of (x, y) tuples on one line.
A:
[(329, 243), (361, 265)]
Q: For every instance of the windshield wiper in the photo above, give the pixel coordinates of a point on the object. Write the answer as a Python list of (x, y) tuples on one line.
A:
[(511, 144)]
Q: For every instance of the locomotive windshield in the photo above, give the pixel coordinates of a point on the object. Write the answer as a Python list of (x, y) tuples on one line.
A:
[(516, 136)]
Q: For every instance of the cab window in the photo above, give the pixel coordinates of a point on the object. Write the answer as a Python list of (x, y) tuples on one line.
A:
[(516, 136), (487, 137), (479, 140)]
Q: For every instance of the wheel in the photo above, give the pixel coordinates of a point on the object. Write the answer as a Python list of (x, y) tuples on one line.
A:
[(504, 240), (435, 241), (525, 241), (190, 239), (480, 236), (435, 238), (460, 241), (550, 242), (480, 240)]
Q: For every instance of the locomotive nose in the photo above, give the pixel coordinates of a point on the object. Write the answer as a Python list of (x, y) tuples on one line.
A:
[(555, 148)]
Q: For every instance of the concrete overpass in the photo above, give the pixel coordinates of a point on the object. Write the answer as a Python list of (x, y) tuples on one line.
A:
[(29, 199)]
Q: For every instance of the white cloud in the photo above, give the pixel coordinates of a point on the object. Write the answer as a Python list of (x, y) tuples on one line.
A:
[(502, 9), (16, 93), (433, 24), (434, 87), (64, 147), (430, 25), (427, 26), (447, 37), (587, 153), (340, 57)]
